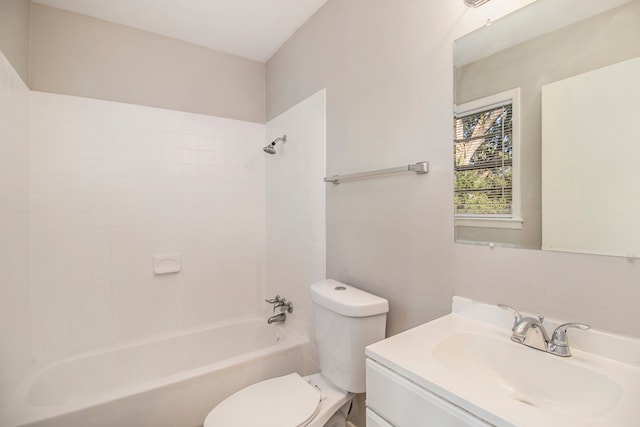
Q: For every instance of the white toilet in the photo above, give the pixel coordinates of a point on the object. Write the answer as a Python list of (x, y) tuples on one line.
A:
[(346, 320)]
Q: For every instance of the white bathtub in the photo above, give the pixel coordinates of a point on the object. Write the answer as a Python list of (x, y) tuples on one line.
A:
[(174, 381)]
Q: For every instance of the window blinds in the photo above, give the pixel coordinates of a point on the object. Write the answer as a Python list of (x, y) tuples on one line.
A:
[(483, 155)]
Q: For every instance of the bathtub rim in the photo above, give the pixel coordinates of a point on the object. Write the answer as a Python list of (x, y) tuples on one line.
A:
[(18, 411)]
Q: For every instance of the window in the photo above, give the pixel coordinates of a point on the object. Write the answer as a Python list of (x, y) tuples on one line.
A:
[(486, 162)]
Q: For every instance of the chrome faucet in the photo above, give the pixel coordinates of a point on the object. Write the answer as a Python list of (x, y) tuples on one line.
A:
[(558, 344), (283, 304), (277, 318)]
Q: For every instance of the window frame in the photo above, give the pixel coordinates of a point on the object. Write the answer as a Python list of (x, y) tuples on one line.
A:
[(514, 221)]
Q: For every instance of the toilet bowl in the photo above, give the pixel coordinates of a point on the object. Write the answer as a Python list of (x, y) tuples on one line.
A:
[(346, 320), (288, 401)]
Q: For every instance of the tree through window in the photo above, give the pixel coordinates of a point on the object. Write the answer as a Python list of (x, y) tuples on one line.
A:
[(483, 155)]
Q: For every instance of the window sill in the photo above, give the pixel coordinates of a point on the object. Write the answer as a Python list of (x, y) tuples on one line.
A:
[(505, 223)]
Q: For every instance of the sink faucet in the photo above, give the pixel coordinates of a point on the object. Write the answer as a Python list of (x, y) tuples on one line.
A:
[(558, 344), (521, 332)]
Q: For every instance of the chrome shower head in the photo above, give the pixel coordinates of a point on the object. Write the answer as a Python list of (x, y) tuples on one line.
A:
[(270, 148)]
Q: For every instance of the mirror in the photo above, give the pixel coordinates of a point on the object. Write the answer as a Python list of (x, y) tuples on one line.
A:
[(565, 183)]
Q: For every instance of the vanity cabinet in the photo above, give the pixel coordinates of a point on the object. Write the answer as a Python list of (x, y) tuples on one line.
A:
[(375, 420), (395, 401)]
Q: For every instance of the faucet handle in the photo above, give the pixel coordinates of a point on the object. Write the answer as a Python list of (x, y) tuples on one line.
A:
[(559, 336), (282, 302), (275, 300), (287, 307), (516, 314)]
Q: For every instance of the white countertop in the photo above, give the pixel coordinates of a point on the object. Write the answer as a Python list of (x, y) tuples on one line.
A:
[(612, 361)]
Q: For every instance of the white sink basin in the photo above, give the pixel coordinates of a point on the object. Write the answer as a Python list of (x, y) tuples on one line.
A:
[(468, 359), (528, 376)]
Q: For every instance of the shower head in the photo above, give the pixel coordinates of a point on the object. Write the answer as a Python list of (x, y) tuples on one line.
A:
[(270, 148)]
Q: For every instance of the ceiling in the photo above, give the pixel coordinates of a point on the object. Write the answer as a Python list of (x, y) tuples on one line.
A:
[(253, 29)]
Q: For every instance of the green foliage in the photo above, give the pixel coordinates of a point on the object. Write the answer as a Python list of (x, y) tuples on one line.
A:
[(483, 192), (484, 179)]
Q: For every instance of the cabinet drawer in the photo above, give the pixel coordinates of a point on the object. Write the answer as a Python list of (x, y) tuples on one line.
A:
[(374, 420), (405, 404)]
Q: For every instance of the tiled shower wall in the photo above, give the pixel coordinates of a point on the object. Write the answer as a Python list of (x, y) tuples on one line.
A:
[(296, 207), (114, 184), (15, 329)]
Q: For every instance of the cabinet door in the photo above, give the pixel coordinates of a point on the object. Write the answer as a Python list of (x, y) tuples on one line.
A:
[(374, 420), (405, 404)]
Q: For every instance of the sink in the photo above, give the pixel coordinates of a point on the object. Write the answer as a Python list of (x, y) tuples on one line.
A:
[(467, 359), (528, 376)]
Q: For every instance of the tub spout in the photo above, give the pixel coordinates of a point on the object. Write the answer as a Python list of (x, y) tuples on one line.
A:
[(277, 318)]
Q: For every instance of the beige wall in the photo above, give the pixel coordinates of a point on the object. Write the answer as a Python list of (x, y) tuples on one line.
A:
[(376, 60), (14, 34), (78, 55), (15, 326), (387, 67), (607, 38)]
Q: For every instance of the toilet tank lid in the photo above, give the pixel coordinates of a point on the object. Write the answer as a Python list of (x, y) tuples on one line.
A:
[(347, 300)]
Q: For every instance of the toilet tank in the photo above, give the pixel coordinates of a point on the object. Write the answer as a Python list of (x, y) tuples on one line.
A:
[(346, 320)]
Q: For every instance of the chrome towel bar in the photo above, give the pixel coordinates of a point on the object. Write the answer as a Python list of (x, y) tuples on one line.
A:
[(420, 168)]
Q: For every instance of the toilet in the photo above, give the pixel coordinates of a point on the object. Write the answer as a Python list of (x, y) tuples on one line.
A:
[(346, 320)]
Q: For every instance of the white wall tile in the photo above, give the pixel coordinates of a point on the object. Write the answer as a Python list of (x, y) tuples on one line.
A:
[(296, 207), (112, 185)]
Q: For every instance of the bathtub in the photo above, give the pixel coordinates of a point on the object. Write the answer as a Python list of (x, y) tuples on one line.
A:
[(174, 381)]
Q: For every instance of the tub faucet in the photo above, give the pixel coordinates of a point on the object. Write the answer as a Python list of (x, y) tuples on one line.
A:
[(558, 344), (281, 302), (277, 318)]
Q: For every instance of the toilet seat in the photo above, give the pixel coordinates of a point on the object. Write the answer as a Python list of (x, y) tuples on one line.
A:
[(283, 401)]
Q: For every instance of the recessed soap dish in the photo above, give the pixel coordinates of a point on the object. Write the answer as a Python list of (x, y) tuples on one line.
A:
[(167, 263)]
